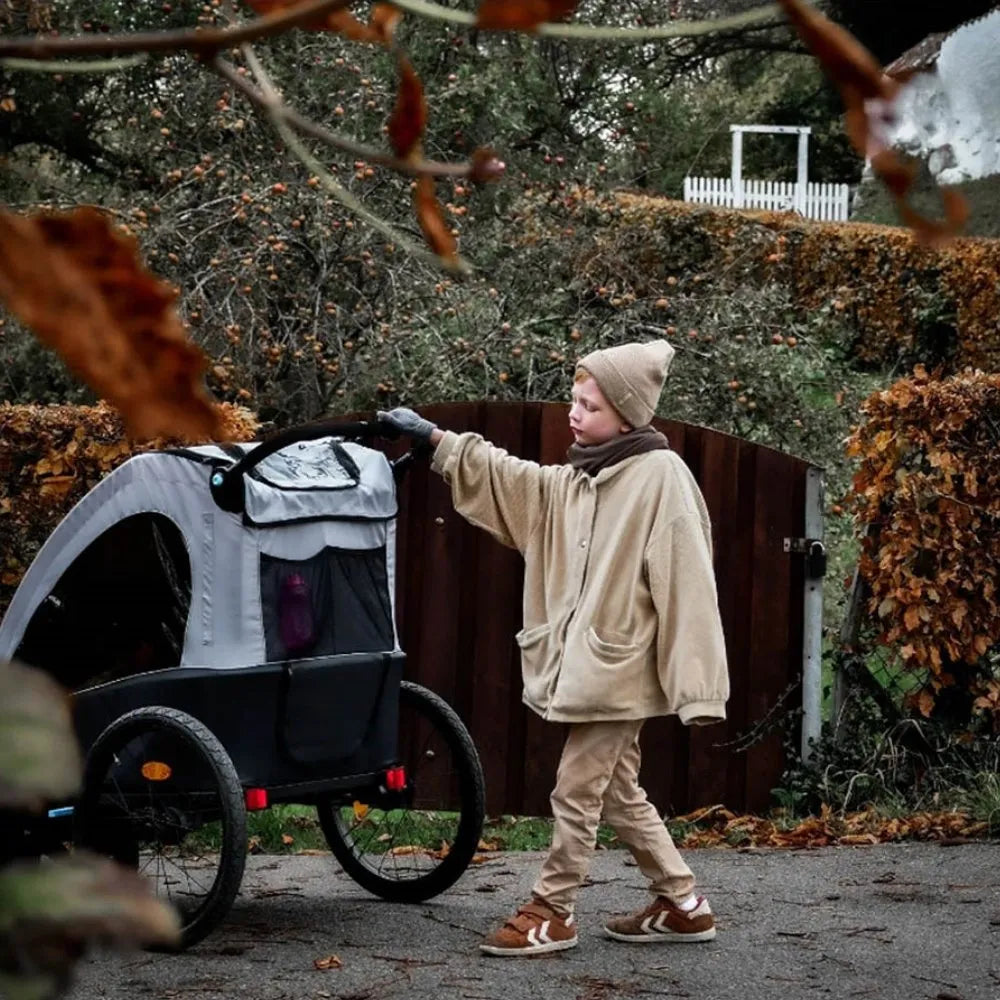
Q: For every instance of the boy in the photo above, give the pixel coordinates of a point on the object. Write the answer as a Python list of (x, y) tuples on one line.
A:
[(621, 624)]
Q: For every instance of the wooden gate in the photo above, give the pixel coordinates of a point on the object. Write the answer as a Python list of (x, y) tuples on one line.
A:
[(459, 606)]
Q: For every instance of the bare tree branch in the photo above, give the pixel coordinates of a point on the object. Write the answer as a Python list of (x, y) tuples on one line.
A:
[(203, 42), (606, 33), (411, 167)]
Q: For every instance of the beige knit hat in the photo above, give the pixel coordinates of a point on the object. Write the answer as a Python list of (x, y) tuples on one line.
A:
[(631, 377)]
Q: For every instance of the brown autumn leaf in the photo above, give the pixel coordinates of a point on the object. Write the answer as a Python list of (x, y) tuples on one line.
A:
[(868, 99), (57, 485), (327, 963), (521, 15), (384, 19), (345, 23), (342, 21), (82, 289), (409, 116), (431, 220)]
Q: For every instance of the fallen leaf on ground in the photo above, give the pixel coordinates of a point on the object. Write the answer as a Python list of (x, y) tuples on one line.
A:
[(330, 962), (404, 849), (723, 829)]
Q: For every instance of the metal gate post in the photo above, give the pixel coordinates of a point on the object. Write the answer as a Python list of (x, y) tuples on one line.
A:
[(812, 627)]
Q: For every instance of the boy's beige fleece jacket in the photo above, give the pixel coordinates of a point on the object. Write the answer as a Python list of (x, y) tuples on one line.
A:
[(621, 617)]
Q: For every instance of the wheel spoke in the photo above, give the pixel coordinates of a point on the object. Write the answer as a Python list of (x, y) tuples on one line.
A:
[(169, 826), (410, 846)]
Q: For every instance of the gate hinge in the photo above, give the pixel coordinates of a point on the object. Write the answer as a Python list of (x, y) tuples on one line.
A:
[(814, 551)]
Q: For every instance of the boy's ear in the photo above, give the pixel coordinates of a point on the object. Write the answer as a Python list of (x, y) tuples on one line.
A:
[(625, 428)]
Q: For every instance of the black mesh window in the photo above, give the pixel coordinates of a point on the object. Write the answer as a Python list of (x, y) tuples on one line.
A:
[(335, 602), (120, 609)]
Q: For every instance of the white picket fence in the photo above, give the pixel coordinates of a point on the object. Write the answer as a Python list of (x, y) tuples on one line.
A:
[(821, 201)]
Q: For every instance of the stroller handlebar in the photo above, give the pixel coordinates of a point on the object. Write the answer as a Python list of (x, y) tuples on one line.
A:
[(227, 484)]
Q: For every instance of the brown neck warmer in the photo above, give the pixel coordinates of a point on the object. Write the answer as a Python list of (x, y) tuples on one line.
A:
[(592, 458)]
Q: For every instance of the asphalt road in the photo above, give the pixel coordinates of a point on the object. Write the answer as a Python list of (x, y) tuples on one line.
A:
[(898, 922)]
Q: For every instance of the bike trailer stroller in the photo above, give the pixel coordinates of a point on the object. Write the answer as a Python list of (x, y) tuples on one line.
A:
[(224, 618)]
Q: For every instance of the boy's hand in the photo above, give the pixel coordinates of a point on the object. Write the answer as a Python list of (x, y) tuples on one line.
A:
[(408, 421)]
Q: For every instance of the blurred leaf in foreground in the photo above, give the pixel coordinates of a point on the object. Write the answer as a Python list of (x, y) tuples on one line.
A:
[(50, 913), (83, 290), (39, 758)]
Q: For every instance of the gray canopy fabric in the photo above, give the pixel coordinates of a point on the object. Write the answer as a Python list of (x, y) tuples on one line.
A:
[(301, 500)]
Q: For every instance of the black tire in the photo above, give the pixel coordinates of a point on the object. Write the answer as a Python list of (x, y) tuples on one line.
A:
[(160, 826), (377, 846)]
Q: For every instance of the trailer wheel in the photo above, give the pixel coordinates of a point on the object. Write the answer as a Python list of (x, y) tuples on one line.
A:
[(160, 794), (411, 843)]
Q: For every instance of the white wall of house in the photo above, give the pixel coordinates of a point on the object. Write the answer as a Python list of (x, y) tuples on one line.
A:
[(951, 115)]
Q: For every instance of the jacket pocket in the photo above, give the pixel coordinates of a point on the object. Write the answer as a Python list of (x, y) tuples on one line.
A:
[(538, 664), (611, 652), (529, 637), (604, 678)]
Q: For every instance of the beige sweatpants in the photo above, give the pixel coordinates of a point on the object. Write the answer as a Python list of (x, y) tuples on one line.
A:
[(599, 773)]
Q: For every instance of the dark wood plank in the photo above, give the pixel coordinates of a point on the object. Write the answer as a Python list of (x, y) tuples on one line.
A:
[(662, 742), (494, 610), (517, 776), (554, 434), (770, 637), (736, 604), (543, 740), (674, 431), (437, 581), (718, 465)]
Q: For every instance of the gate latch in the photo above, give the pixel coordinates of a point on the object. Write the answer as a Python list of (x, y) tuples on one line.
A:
[(814, 551)]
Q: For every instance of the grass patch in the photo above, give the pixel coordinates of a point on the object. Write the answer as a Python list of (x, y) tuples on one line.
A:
[(283, 829), (532, 833), (982, 800)]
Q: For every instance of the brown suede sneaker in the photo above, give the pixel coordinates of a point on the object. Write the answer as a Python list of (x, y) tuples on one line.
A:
[(662, 920), (534, 930)]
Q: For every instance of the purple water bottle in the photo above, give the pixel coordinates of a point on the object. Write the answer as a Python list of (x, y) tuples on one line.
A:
[(295, 616)]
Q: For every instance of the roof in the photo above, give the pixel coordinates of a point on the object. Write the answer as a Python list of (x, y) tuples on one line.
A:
[(920, 59), (923, 57)]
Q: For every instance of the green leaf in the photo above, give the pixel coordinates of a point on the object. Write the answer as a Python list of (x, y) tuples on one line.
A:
[(39, 757)]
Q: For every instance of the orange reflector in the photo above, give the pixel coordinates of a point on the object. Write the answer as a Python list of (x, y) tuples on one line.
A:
[(156, 770), (256, 798)]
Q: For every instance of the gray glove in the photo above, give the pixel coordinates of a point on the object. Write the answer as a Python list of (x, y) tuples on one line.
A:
[(408, 422)]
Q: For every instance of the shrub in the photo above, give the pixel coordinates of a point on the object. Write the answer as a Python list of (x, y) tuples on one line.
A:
[(928, 485)]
